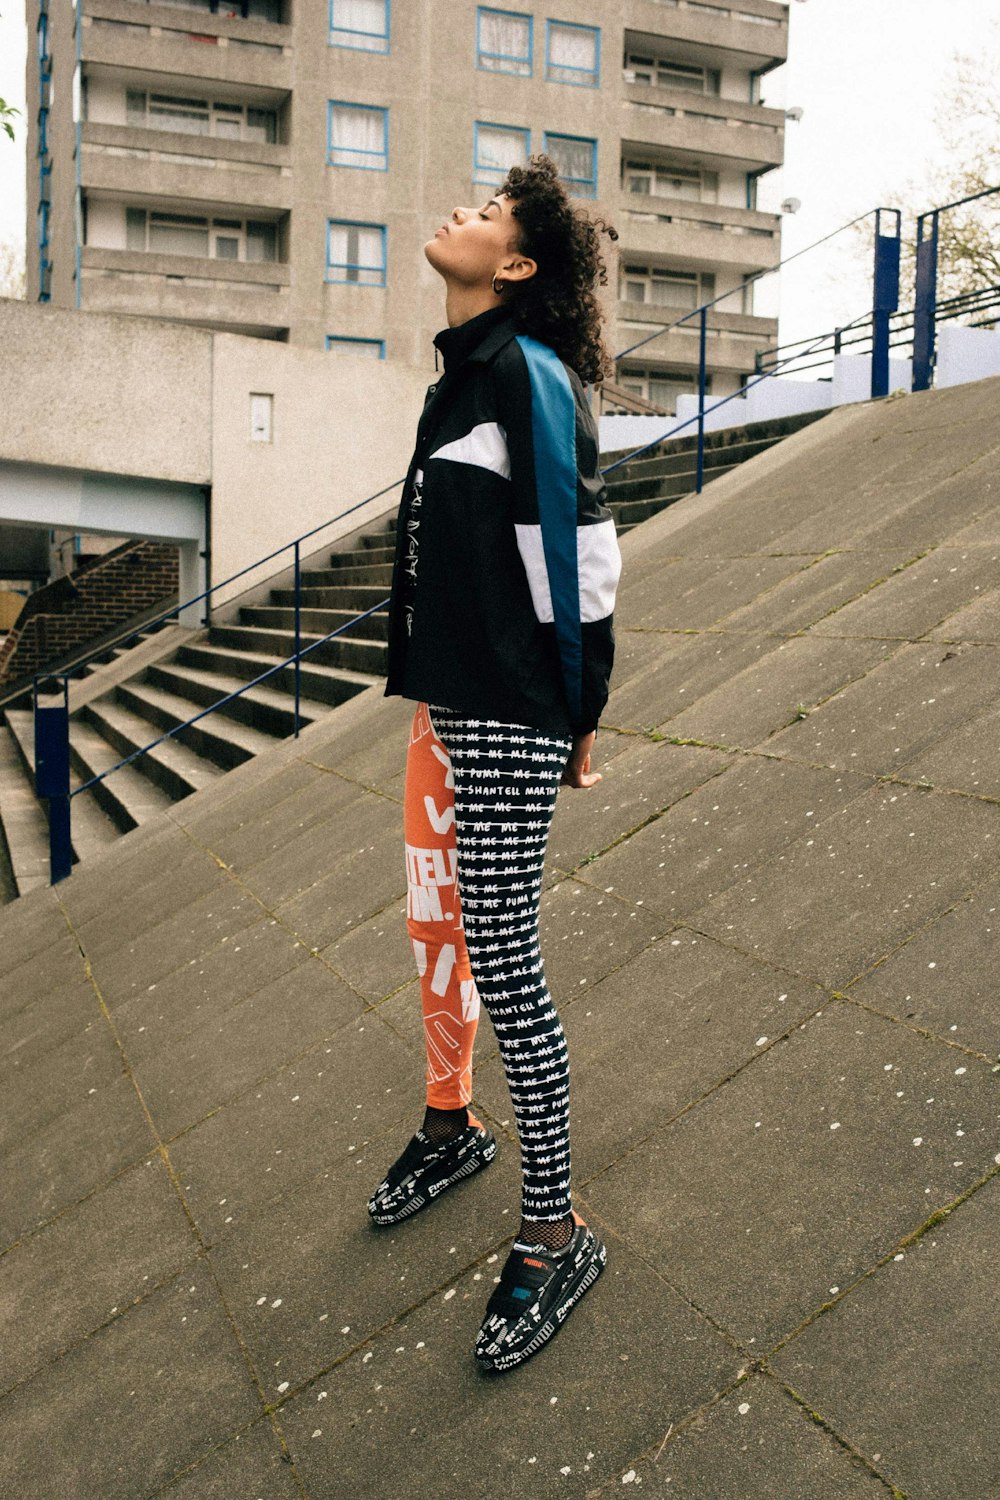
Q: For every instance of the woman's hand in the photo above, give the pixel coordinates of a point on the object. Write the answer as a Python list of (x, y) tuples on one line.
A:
[(577, 771)]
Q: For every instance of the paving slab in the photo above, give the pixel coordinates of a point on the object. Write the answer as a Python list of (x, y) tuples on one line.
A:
[(153, 1017), (887, 717), (183, 876), (129, 961), (695, 593), (241, 834), (978, 621), (344, 1093), (804, 1170), (657, 1034), (87, 1266), (890, 861), (65, 1008), (128, 1407), (252, 1464), (643, 778), (363, 880), (312, 1279), (754, 705), (905, 1367), (302, 861), (917, 598), (27, 926), (756, 1442), (632, 1359), (964, 759), (820, 585), (45, 1086), (136, 859), (56, 965), (291, 777), (745, 819), (375, 957), (230, 1052), (935, 514), (945, 977)]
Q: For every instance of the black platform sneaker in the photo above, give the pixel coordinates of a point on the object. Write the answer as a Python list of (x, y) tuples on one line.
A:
[(538, 1289), (424, 1171)]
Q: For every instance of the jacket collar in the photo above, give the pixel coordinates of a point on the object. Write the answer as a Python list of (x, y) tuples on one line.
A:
[(478, 339)]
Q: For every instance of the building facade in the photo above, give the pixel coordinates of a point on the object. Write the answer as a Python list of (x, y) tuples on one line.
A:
[(274, 167)]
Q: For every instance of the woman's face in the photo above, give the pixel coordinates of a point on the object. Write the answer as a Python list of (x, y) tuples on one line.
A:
[(476, 244)]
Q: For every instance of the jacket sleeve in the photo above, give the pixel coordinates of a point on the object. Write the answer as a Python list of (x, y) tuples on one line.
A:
[(565, 532)]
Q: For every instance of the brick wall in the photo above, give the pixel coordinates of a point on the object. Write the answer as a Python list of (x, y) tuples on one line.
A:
[(64, 615)]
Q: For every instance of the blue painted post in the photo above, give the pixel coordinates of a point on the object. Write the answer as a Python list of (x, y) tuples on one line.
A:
[(52, 778), (298, 636), (925, 302), (702, 335), (885, 300)]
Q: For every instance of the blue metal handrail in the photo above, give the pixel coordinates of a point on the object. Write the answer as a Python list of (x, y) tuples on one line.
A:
[(926, 320)]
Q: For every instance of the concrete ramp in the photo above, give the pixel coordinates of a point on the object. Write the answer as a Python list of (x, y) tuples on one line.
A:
[(772, 932)]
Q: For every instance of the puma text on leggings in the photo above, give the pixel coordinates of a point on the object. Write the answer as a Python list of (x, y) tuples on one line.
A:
[(478, 805)]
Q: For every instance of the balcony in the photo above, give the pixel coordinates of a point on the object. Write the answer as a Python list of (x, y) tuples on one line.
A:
[(187, 43), (678, 231), (245, 297), (732, 338), (750, 34), (245, 175), (747, 137)]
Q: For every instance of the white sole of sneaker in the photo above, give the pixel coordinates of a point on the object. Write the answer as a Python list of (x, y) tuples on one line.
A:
[(474, 1164), (555, 1319)]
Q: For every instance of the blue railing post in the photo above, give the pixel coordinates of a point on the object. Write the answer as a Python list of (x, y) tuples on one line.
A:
[(298, 636), (52, 778), (925, 301), (885, 299), (702, 336)]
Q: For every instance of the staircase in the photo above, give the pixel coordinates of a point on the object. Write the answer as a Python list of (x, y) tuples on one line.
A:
[(157, 683)]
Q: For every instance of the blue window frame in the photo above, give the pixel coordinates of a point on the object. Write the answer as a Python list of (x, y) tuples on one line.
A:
[(355, 252), (343, 344), (576, 158), (43, 223), (357, 135), (573, 54), (43, 42), (504, 41), (43, 130), (497, 147), (363, 24)]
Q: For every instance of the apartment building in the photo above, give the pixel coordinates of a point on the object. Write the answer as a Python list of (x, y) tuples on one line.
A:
[(274, 167)]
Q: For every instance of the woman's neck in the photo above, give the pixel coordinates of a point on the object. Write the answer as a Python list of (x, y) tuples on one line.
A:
[(465, 302)]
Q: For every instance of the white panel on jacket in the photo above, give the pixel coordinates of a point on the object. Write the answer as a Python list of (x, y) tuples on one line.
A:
[(598, 564), (485, 446)]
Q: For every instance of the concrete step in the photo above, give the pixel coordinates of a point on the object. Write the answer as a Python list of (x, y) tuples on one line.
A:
[(223, 741), (376, 626), (126, 795), (265, 708), (326, 686), (356, 596), (670, 487), (91, 829), (634, 511), (176, 768), (645, 471), (363, 557), (379, 573), (273, 631), (22, 817)]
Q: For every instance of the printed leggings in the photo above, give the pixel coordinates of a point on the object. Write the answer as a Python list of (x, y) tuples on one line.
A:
[(478, 805)]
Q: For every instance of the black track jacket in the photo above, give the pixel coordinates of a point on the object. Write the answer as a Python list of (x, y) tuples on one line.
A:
[(507, 562)]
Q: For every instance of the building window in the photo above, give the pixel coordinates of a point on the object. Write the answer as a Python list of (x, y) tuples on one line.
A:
[(360, 23), (233, 122), (663, 180), (355, 252), (504, 41), (358, 136), (369, 348), (576, 158), (661, 287), (661, 387), (573, 54), (662, 72), (187, 234), (497, 148)]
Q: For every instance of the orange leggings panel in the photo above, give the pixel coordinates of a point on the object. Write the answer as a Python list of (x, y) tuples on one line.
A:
[(449, 998)]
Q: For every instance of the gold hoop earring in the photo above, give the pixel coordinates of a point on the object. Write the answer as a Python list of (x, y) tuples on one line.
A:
[(497, 290)]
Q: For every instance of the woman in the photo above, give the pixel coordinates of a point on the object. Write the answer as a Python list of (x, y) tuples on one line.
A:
[(500, 626)]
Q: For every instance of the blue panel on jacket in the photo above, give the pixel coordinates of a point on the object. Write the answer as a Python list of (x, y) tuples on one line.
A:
[(553, 425)]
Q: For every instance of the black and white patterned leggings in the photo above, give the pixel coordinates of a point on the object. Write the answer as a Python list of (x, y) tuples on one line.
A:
[(479, 801)]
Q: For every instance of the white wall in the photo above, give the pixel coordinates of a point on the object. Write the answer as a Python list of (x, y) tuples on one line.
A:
[(105, 101), (966, 354), (105, 224)]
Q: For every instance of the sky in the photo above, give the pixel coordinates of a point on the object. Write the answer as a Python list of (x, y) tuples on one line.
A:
[(867, 75)]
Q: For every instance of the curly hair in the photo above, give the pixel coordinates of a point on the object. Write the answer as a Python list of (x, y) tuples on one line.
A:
[(557, 304)]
